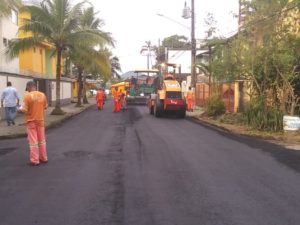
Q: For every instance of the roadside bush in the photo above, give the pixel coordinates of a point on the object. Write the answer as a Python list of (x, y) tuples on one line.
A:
[(214, 106), (263, 118)]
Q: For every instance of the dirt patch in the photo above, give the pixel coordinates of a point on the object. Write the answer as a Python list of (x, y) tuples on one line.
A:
[(233, 123)]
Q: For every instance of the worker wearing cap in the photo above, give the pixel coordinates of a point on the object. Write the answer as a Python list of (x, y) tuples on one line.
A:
[(34, 105), (100, 98), (190, 99)]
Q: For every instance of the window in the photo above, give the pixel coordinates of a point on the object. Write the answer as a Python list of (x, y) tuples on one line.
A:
[(174, 94), (14, 16), (5, 42)]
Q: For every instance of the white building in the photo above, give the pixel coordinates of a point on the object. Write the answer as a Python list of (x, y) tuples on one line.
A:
[(8, 31)]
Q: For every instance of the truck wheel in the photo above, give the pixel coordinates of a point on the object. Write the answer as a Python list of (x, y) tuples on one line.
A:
[(158, 108), (182, 113)]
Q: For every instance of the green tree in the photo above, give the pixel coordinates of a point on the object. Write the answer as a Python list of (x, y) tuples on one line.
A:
[(172, 42), (266, 53), (57, 23), (115, 66), (87, 57)]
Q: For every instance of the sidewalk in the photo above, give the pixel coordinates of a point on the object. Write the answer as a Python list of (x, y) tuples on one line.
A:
[(197, 111), (50, 120)]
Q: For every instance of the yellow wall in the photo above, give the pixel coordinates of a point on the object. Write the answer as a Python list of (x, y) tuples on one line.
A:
[(22, 16), (25, 61), (74, 88), (54, 65), (33, 60)]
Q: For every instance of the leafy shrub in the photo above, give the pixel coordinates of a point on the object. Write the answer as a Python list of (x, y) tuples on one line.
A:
[(263, 118), (214, 106)]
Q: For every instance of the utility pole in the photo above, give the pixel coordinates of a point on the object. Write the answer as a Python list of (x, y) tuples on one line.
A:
[(190, 13), (193, 51)]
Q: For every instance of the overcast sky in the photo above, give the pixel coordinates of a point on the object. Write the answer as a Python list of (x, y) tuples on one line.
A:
[(132, 22)]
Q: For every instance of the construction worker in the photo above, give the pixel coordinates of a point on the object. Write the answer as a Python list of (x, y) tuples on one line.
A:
[(116, 100), (120, 93), (190, 100), (34, 105), (100, 97), (123, 101)]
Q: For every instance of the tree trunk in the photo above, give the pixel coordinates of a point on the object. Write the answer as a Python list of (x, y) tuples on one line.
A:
[(57, 110), (85, 101), (293, 106), (79, 91)]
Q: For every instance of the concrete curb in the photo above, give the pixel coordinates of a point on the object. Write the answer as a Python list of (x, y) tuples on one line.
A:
[(209, 125), (52, 124), (229, 131)]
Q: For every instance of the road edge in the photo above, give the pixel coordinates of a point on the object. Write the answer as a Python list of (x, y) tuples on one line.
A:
[(51, 125)]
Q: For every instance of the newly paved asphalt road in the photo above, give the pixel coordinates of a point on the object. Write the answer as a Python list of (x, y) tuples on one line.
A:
[(133, 169)]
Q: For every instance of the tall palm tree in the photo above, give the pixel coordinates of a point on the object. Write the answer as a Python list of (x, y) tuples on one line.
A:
[(57, 23), (115, 66), (7, 5), (89, 60), (100, 65), (87, 56)]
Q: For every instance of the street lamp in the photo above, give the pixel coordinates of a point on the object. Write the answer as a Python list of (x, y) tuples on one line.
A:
[(190, 13)]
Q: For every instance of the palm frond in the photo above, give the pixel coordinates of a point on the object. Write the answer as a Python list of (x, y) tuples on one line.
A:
[(17, 45), (89, 38), (36, 27)]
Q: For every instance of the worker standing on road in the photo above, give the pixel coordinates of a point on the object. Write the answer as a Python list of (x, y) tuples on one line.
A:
[(34, 105), (123, 101), (120, 93), (190, 100), (100, 98), (116, 100)]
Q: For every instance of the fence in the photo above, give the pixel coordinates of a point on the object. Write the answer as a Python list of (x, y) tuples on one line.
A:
[(203, 91)]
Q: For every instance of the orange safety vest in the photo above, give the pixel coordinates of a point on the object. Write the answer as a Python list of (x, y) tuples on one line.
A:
[(34, 106), (100, 95), (116, 95), (190, 95)]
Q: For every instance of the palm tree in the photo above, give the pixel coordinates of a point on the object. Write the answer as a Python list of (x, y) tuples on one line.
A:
[(115, 66), (89, 60), (7, 5), (87, 56), (57, 23), (99, 66)]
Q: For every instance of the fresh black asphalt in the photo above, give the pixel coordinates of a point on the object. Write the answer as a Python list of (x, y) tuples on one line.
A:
[(130, 168)]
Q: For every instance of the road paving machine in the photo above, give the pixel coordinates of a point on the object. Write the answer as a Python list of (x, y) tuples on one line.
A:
[(167, 97)]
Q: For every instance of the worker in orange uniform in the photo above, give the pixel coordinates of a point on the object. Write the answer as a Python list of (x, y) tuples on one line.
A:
[(34, 105), (116, 100), (120, 93), (123, 101), (100, 97), (190, 100)]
